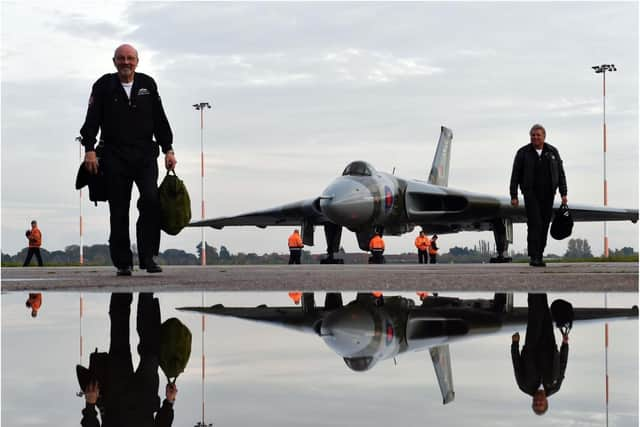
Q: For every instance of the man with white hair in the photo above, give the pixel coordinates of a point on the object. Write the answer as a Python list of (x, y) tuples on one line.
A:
[(125, 107), (537, 169)]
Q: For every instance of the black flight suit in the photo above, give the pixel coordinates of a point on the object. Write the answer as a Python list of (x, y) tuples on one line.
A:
[(538, 178), (132, 396), (539, 362), (130, 155)]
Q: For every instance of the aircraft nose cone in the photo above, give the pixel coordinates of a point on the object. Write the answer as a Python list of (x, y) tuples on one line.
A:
[(348, 331), (348, 203)]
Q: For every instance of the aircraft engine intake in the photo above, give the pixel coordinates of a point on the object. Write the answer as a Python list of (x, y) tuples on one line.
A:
[(361, 334), (347, 202)]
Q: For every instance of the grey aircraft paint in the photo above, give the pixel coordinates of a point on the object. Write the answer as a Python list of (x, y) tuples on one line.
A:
[(366, 201), (371, 329)]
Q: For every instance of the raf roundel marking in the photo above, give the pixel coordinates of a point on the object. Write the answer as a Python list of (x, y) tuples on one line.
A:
[(388, 198), (389, 333)]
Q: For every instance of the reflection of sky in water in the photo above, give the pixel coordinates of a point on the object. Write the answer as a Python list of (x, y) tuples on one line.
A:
[(269, 376)]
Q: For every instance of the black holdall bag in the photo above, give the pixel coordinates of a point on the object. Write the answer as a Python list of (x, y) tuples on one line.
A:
[(562, 224), (98, 191), (562, 314), (97, 372)]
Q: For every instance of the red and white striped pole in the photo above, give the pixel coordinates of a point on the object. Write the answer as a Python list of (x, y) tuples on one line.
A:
[(200, 107), (204, 247), (602, 69), (606, 366), (81, 340), (79, 139), (203, 362), (604, 157)]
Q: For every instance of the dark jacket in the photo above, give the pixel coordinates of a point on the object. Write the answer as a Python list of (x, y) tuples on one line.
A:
[(127, 125), (523, 172), (529, 374), (163, 418)]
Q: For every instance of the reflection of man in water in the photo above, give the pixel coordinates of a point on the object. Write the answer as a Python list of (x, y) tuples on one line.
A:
[(34, 302), (131, 397), (539, 369)]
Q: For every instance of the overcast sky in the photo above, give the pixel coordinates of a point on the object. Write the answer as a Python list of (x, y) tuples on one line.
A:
[(269, 376), (300, 90)]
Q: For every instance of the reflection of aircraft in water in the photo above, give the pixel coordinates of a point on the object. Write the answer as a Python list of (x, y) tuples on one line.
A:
[(365, 200), (371, 328)]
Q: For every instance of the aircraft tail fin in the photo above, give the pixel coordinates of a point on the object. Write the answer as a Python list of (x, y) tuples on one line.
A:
[(439, 174), (442, 365)]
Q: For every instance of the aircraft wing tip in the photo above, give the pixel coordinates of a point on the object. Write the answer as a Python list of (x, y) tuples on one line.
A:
[(449, 398)]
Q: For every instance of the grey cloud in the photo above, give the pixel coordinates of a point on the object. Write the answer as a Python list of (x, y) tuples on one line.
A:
[(406, 28), (82, 26), (353, 67)]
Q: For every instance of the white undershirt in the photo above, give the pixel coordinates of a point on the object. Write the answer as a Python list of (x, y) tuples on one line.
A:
[(537, 151), (127, 88)]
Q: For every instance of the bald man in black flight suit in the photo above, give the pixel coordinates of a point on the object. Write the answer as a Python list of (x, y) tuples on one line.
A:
[(126, 108)]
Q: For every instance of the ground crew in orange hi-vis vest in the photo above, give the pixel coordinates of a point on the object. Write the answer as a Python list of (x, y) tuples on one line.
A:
[(433, 249), (34, 302), (376, 246), (35, 241), (295, 297), (422, 295), (295, 247), (422, 243)]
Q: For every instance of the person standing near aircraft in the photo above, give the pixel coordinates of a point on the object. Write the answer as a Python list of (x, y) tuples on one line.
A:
[(295, 247), (422, 242), (538, 170), (433, 249), (376, 246), (35, 241), (125, 106), (539, 368)]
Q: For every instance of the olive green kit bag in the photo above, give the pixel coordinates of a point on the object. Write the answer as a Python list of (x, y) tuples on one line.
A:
[(175, 204), (175, 348)]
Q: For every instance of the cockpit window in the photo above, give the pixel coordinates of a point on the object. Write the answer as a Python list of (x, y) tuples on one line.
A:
[(358, 363), (358, 169)]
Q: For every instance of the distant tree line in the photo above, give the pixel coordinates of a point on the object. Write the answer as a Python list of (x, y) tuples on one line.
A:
[(99, 255)]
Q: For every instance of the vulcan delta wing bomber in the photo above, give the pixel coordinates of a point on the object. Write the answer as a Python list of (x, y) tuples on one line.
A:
[(366, 201), (375, 327)]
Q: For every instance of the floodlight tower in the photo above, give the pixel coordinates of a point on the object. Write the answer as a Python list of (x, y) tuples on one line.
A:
[(201, 106), (602, 69)]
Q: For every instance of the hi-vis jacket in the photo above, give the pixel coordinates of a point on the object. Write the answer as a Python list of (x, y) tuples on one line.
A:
[(35, 301), (422, 243), (433, 248), (376, 243), (35, 238), (295, 242)]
